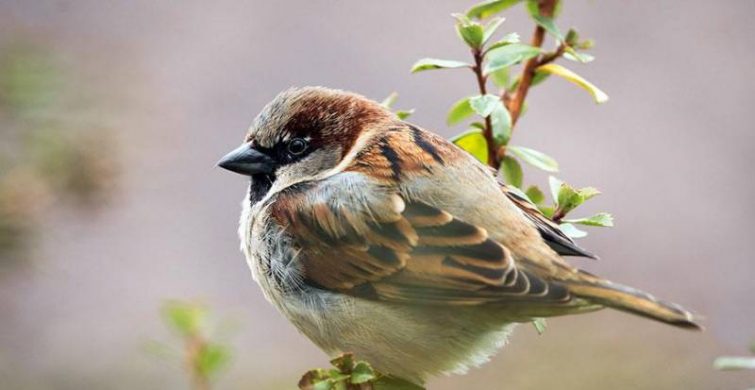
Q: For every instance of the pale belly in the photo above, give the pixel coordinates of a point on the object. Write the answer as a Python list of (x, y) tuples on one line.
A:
[(410, 341)]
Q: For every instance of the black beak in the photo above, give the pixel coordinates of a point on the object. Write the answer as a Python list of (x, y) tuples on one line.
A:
[(246, 160)]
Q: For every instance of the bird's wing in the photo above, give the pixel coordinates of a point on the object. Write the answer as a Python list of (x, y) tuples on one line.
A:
[(366, 240), (549, 230)]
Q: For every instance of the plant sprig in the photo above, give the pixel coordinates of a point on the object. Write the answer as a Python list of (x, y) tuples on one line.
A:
[(497, 59), (203, 358), (351, 374)]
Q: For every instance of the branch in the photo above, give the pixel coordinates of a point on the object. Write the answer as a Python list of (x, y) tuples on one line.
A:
[(514, 103), (487, 132)]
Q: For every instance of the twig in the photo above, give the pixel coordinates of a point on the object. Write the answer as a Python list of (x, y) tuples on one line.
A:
[(515, 102), (194, 346), (487, 132)]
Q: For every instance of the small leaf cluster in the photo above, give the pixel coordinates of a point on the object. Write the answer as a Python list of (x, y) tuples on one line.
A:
[(351, 374), (204, 358)]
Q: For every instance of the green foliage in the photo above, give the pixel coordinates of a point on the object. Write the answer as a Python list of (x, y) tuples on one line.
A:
[(512, 171), (474, 143), (186, 318), (434, 63), (205, 358), (351, 374), (599, 219), (535, 158), (491, 7), (565, 199), (544, 21), (495, 60), (509, 54), (598, 95), (484, 105), (500, 121), (460, 111), (492, 27), (472, 33), (535, 194)]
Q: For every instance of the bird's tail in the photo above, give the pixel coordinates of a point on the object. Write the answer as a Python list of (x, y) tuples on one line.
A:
[(630, 300)]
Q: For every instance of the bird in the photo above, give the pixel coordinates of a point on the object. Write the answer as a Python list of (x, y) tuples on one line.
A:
[(375, 237)]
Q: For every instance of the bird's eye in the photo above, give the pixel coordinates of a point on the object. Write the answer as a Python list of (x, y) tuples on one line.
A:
[(297, 146)]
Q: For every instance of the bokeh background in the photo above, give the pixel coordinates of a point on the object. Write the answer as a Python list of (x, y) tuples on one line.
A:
[(112, 115)]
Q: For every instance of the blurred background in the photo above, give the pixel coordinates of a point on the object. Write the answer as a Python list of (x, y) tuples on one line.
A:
[(112, 115)]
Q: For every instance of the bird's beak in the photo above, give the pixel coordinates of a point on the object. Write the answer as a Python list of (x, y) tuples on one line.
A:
[(245, 160)]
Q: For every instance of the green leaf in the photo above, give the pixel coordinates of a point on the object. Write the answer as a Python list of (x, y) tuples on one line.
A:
[(491, 28), (459, 111), (324, 385), (212, 358), (535, 158), (598, 95), (548, 211), (569, 198), (184, 317), (506, 40), (403, 114), (538, 78), (512, 171), (484, 105), (470, 32), (491, 105), (545, 22), (572, 37), (474, 143), (389, 100), (362, 373), (434, 63), (572, 231), (600, 219), (555, 186), (539, 324), (508, 55), (734, 363), (588, 192), (344, 363), (500, 120), (535, 194), (501, 78), (489, 8)]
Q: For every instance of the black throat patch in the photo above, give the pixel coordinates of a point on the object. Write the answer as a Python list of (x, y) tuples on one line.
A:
[(259, 186)]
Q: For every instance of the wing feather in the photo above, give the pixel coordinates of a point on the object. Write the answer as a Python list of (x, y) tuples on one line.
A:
[(391, 249)]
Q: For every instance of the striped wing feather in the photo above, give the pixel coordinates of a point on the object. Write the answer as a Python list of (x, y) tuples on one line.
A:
[(415, 254)]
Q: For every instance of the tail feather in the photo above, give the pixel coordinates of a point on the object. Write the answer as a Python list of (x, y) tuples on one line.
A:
[(631, 300)]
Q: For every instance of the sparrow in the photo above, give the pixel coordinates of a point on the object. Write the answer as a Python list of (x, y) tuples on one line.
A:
[(376, 237)]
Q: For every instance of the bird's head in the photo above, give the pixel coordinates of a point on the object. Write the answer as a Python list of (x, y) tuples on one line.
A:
[(303, 134)]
